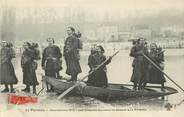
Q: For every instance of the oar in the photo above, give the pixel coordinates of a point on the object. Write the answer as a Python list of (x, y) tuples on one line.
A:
[(154, 64), (159, 53), (78, 83)]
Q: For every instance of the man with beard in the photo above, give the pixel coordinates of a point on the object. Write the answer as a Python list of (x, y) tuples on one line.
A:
[(71, 54), (7, 72), (51, 61)]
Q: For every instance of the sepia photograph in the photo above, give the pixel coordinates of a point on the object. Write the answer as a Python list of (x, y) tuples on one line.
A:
[(91, 58)]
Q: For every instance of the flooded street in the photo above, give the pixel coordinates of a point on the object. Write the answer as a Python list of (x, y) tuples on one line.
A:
[(119, 71)]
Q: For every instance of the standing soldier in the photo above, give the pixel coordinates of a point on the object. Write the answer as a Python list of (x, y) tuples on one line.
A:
[(71, 54), (132, 51), (29, 67), (7, 72), (157, 56), (140, 75), (51, 61)]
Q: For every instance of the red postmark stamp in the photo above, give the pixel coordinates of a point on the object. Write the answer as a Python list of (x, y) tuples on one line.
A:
[(16, 99)]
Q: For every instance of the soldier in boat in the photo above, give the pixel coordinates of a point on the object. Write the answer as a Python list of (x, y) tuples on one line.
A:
[(71, 54), (90, 58), (99, 77), (29, 66), (157, 56), (140, 64), (134, 43), (51, 61), (7, 72)]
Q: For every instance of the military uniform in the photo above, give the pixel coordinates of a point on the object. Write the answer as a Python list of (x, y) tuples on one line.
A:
[(29, 67), (51, 60), (156, 76), (7, 72), (72, 57), (140, 66), (99, 77)]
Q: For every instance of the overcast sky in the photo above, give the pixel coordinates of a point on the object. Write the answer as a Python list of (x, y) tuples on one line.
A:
[(114, 8), (102, 4)]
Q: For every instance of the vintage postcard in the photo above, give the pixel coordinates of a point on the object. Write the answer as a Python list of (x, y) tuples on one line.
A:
[(91, 58)]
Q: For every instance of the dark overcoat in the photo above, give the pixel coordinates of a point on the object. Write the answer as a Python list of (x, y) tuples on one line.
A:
[(7, 72), (140, 64), (51, 60), (28, 67), (99, 77), (72, 56), (156, 76)]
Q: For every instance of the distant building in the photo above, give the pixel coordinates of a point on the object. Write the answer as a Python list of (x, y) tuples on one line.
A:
[(124, 35), (141, 31), (171, 31), (107, 32), (101, 32)]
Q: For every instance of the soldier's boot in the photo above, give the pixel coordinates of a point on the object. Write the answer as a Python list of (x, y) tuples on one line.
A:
[(144, 85), (135, 86), (141, 85), (47, 86), (52, 88), (34, 89), (74, 77), (58, 75), (12, 90), (6, 89), (27, 89)]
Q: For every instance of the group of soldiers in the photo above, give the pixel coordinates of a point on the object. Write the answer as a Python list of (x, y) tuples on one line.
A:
[(143, 70), (28, 63), (51, 63)]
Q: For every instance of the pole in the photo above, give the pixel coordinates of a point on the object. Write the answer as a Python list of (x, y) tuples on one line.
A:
[(154, 64)]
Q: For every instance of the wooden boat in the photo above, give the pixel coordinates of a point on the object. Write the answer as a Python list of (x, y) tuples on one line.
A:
[(112, 92)]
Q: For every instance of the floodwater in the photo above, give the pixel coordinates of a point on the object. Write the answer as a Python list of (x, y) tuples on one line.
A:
[(119, 71)]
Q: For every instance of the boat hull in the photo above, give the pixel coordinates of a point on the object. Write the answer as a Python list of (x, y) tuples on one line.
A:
[(112, 92)]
